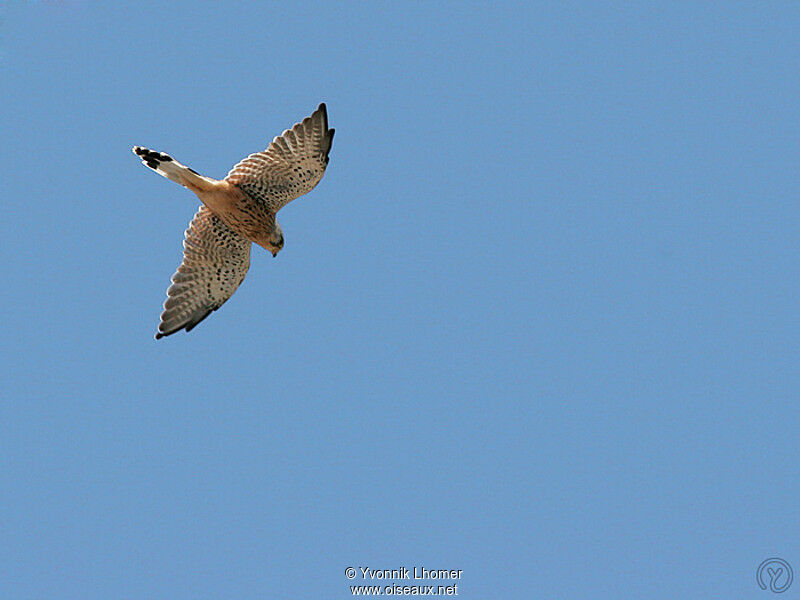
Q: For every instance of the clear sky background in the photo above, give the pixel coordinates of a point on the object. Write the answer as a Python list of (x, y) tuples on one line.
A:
[(538, 322)]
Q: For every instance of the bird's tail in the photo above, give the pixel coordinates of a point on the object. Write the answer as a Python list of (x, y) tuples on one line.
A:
[(165, 165)]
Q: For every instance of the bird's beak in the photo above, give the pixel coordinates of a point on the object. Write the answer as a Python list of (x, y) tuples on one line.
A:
[(274, 255)]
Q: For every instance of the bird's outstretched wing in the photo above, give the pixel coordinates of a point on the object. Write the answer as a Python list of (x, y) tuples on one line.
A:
[(215, 261), (292, 164)]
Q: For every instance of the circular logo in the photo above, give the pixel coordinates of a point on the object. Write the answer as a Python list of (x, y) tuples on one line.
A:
[(775, 574)]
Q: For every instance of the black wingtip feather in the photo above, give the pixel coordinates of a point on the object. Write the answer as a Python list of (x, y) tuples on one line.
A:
[(194, 324), (163, 334), (187, 326), (330, 142), (151, 156), (324, 110)]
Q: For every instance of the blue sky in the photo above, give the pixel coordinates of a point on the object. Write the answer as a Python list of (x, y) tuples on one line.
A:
[(538, 322)]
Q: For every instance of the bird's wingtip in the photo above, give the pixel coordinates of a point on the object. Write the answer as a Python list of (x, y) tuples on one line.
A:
[(322, 108)]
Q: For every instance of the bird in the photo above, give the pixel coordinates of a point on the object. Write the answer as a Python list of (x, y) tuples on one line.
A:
[(235, 213)]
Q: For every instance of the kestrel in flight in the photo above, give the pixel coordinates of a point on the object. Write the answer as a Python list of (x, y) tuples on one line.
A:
[(236, 211)]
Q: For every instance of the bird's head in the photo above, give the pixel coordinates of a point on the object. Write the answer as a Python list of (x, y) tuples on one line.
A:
[(273, 242)]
